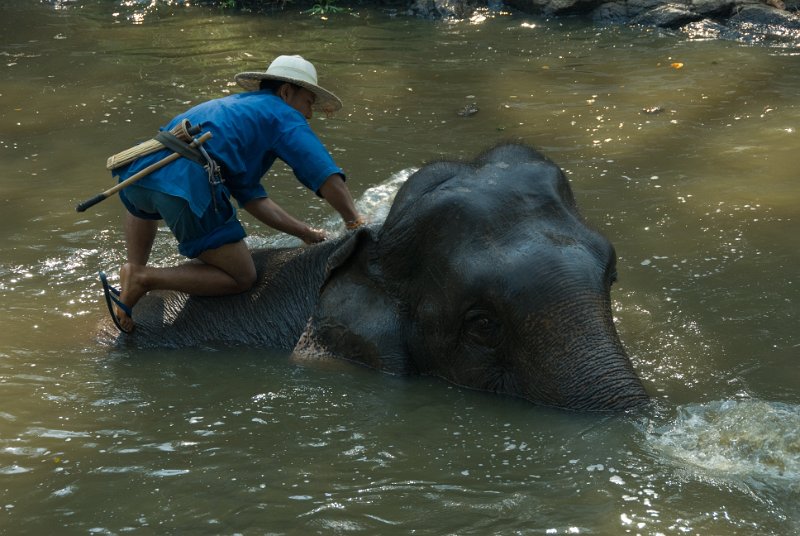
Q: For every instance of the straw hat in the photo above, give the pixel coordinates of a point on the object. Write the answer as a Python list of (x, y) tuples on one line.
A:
[(295, 70)]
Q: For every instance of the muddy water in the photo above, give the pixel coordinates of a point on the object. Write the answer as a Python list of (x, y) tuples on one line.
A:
[(683, 152)]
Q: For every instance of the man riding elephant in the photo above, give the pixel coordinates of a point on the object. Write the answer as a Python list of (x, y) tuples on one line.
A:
[(484, 273), (250, 130)]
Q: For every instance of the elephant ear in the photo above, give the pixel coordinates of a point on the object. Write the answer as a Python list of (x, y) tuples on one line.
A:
[(355, 318)]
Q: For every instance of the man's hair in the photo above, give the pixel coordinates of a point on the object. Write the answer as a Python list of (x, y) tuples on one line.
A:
[(274, 85)]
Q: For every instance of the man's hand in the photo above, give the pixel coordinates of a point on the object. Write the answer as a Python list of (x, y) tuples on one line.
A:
[(313, 236), (352, 225)]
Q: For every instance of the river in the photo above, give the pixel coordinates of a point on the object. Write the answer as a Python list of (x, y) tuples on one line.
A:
[(683, 152)]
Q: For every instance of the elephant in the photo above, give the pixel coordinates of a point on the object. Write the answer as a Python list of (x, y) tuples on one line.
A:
[(483, 273)]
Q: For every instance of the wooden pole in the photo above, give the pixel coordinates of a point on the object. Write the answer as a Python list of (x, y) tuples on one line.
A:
[(143, 173)]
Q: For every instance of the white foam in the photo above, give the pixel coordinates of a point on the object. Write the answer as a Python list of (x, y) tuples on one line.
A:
[(735, 439)]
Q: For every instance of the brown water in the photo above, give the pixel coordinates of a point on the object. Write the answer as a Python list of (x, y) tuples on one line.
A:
[(700, 200)]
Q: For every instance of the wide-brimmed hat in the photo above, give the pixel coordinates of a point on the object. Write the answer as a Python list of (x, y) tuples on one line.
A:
[(295, 70)]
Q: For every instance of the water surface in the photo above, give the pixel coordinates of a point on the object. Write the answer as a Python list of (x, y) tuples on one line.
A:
[(682, 151)]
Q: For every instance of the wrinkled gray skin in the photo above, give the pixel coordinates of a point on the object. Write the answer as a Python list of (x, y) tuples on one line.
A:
[(483, 274)]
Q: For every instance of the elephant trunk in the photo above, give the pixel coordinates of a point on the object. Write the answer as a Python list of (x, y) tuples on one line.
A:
[(582, 368), (604, 382)]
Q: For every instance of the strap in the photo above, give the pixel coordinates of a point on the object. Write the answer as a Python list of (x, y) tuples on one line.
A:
[(174, 143)]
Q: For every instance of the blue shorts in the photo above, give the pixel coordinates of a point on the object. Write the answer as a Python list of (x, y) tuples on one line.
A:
[(195, 235)]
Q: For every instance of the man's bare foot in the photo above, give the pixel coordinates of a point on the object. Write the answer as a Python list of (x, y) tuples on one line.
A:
[(131, 291)]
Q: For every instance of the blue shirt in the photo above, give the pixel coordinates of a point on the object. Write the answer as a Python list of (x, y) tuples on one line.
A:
[(249, 131)]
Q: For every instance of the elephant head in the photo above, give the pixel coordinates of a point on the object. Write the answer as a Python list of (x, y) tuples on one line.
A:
[(486, 275)]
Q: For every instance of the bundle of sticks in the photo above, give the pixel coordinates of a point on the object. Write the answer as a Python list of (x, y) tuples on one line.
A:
[(184, 131), (150, 146)]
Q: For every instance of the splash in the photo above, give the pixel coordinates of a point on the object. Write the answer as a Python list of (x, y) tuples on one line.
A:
[(376, 201), (735, 440), (374, 204)]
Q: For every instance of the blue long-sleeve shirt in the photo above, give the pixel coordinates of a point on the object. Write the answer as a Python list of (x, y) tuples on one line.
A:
[(249, 131)]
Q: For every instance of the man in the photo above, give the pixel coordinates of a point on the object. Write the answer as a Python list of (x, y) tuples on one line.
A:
[(249, 131)]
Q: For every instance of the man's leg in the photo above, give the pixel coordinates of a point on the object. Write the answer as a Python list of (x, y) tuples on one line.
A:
[(139, 237), (223, 269), (228, 269)]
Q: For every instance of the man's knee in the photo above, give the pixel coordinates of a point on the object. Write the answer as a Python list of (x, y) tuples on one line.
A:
[(246, 280)]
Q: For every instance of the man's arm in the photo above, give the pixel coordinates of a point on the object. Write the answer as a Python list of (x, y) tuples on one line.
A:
[(269, 213), (335, 192)]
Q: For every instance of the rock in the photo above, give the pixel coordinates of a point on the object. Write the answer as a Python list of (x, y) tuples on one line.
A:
[(666, 16), (765, 15), (442, 9), (554, 7), (757, 23), (611, 13), (741, 20), (638, 6), (708, 29), (713, 8)]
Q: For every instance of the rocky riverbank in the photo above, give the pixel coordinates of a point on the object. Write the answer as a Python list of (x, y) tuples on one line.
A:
[(775, 21)]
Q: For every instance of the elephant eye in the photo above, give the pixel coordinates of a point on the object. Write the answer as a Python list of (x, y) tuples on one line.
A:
[(481, 328)]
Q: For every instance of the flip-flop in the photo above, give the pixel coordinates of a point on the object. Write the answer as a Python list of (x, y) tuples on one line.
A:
[(112, 298)]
